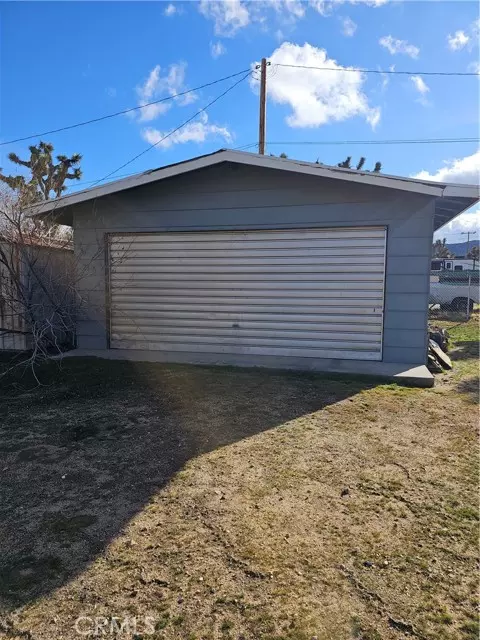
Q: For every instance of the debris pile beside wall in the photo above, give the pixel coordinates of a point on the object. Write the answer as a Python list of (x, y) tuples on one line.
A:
[(438, 359)]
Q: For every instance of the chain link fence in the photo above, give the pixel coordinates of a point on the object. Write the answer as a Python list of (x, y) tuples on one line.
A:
[(454, 294)]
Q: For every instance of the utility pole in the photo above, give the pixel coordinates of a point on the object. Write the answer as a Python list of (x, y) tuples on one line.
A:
[(468, 234), (263, 106)]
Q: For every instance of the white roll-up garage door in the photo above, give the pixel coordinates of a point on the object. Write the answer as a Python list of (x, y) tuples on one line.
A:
[(313, 293)]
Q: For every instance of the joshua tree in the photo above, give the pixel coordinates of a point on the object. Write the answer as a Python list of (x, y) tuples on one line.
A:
[(346, 164), (46, 178)]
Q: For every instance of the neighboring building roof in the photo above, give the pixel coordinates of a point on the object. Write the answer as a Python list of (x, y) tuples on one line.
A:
[(452, 199), (33, 241)]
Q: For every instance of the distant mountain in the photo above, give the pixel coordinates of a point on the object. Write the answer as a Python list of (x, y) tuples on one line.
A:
[(459, 249)]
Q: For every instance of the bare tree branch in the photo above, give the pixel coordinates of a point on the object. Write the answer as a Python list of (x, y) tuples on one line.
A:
[(40, 284)]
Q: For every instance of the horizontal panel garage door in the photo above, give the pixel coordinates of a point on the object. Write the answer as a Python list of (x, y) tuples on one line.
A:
[(314, 293)]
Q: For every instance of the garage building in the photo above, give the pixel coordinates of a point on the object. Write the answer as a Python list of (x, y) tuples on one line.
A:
[(237, 258)]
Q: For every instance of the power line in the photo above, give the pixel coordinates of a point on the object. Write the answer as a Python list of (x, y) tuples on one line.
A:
[(170, 133), (244, 147), (319, 143), (368, 142), (78, 184), (95, 182), (458, 233), (411, 141), (378, 71), (233, 75), (121, 113)]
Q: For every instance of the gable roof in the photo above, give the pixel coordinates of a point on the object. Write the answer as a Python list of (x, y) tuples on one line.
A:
[(452, 198)]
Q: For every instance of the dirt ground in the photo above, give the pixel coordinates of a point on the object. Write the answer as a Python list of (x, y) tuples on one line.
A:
[(206, 503)]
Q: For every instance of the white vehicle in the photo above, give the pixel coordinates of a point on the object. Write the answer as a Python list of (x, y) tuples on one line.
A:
[(454, 264), (455, 296)]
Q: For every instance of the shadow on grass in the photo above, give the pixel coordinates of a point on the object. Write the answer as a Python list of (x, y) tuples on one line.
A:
[(465, 350), (470, 387), (459, 317), (86, 451)]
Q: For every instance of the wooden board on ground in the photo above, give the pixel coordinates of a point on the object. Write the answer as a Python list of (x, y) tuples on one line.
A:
[(440, 355)]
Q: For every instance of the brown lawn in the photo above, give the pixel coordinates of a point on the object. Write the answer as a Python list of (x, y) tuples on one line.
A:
[(238, 504)]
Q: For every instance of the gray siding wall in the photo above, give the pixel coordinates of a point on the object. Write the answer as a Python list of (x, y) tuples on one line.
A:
[(235, 197)]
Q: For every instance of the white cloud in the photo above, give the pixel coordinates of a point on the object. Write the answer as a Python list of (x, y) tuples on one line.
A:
[(394, 46), (469, 221), (348, 27), (386, 77), (174, 83), (475, 30), (217, 49), (294, 9), (147, 93), (462, 170), (464, 38), (157, 86), (197, 132), (228, 15), (170, 10), (422, 88), (150, 84), (369, 3), (111, 92), (315, 97), (474, 67), (152, 111), (325, 7), (322, 6), (420, 84), (458, 40)]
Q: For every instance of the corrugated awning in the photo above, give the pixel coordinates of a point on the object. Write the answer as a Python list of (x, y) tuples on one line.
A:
[(447, 208)]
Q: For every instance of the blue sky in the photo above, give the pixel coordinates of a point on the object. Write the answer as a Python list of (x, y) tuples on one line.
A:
[(72, 61)]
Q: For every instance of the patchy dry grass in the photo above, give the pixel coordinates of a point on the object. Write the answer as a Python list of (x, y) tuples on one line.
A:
[(465, 353), (240, 503)]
